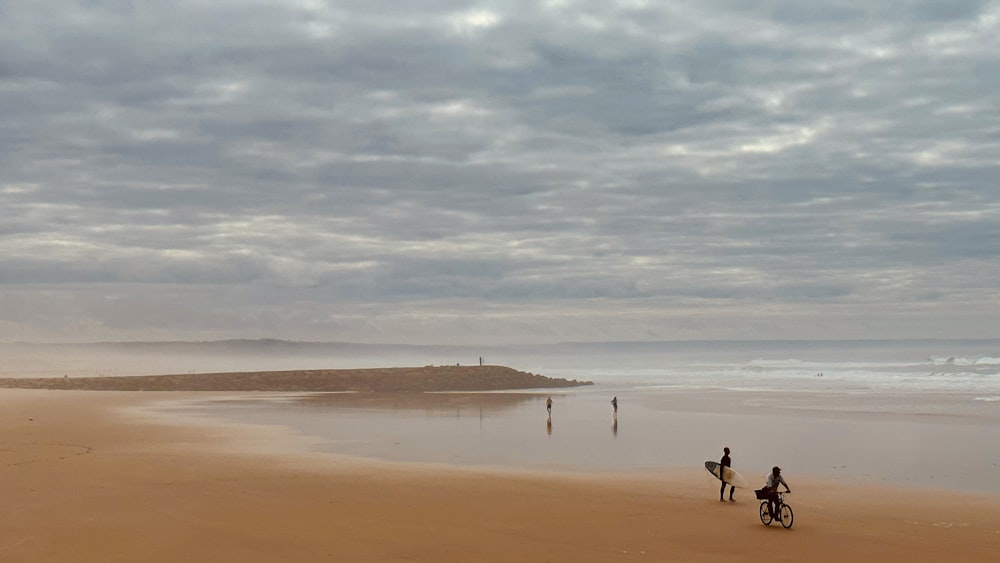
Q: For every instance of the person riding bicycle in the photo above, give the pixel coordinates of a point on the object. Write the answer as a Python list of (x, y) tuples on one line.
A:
[(771, 490)]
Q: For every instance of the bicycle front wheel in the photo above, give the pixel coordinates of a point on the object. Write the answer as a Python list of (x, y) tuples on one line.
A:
[(786, 516), (765, 514)]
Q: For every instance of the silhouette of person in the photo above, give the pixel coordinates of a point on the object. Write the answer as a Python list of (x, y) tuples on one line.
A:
[(725, 462), (614, 405), (548, 405)]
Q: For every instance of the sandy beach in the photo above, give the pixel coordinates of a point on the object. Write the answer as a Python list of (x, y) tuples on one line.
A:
[(85, 479)]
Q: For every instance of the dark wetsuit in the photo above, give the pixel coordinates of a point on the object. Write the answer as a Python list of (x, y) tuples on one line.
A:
[(725, 462)]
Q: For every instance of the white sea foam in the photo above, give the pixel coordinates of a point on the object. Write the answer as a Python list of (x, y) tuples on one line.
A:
[(978, 374), (964, 361)]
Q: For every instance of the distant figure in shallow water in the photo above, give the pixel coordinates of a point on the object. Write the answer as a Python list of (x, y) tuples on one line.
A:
[(614, 405), (548, 405)]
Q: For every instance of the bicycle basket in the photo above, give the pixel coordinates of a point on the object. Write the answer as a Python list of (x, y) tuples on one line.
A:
[(761, 494)]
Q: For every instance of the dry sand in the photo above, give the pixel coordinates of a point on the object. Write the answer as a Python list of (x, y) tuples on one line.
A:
[(81, 481)]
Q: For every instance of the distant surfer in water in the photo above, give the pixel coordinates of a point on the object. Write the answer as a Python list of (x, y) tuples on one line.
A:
[(725, 462), (548, 405)]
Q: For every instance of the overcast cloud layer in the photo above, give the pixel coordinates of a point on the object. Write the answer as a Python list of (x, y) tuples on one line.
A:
[(449, 172)]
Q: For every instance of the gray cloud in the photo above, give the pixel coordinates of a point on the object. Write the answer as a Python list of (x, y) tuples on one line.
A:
[(445, 172)]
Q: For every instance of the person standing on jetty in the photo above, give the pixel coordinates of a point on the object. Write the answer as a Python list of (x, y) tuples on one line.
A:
[(725, 462)]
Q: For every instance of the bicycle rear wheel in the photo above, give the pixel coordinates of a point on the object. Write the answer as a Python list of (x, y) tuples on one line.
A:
[(786, 516), (765, 514)]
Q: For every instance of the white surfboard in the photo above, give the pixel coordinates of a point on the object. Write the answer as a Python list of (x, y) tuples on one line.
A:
[(728, 475)]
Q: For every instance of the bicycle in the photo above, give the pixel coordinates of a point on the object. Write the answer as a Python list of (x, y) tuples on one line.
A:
[(785, 514)]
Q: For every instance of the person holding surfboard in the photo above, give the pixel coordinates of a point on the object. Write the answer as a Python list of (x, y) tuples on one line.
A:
[(726, 461), (771, 489)]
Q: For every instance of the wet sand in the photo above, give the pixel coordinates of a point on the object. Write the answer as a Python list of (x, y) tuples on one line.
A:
[(84, 479), (807, 434)]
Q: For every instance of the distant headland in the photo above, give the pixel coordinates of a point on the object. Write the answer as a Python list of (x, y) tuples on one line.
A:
[(385, 380)]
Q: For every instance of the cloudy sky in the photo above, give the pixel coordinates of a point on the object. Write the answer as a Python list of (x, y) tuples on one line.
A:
[(437, 171)]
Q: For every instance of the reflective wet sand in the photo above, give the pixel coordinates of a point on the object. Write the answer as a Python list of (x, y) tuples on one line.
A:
[(939, 443)]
